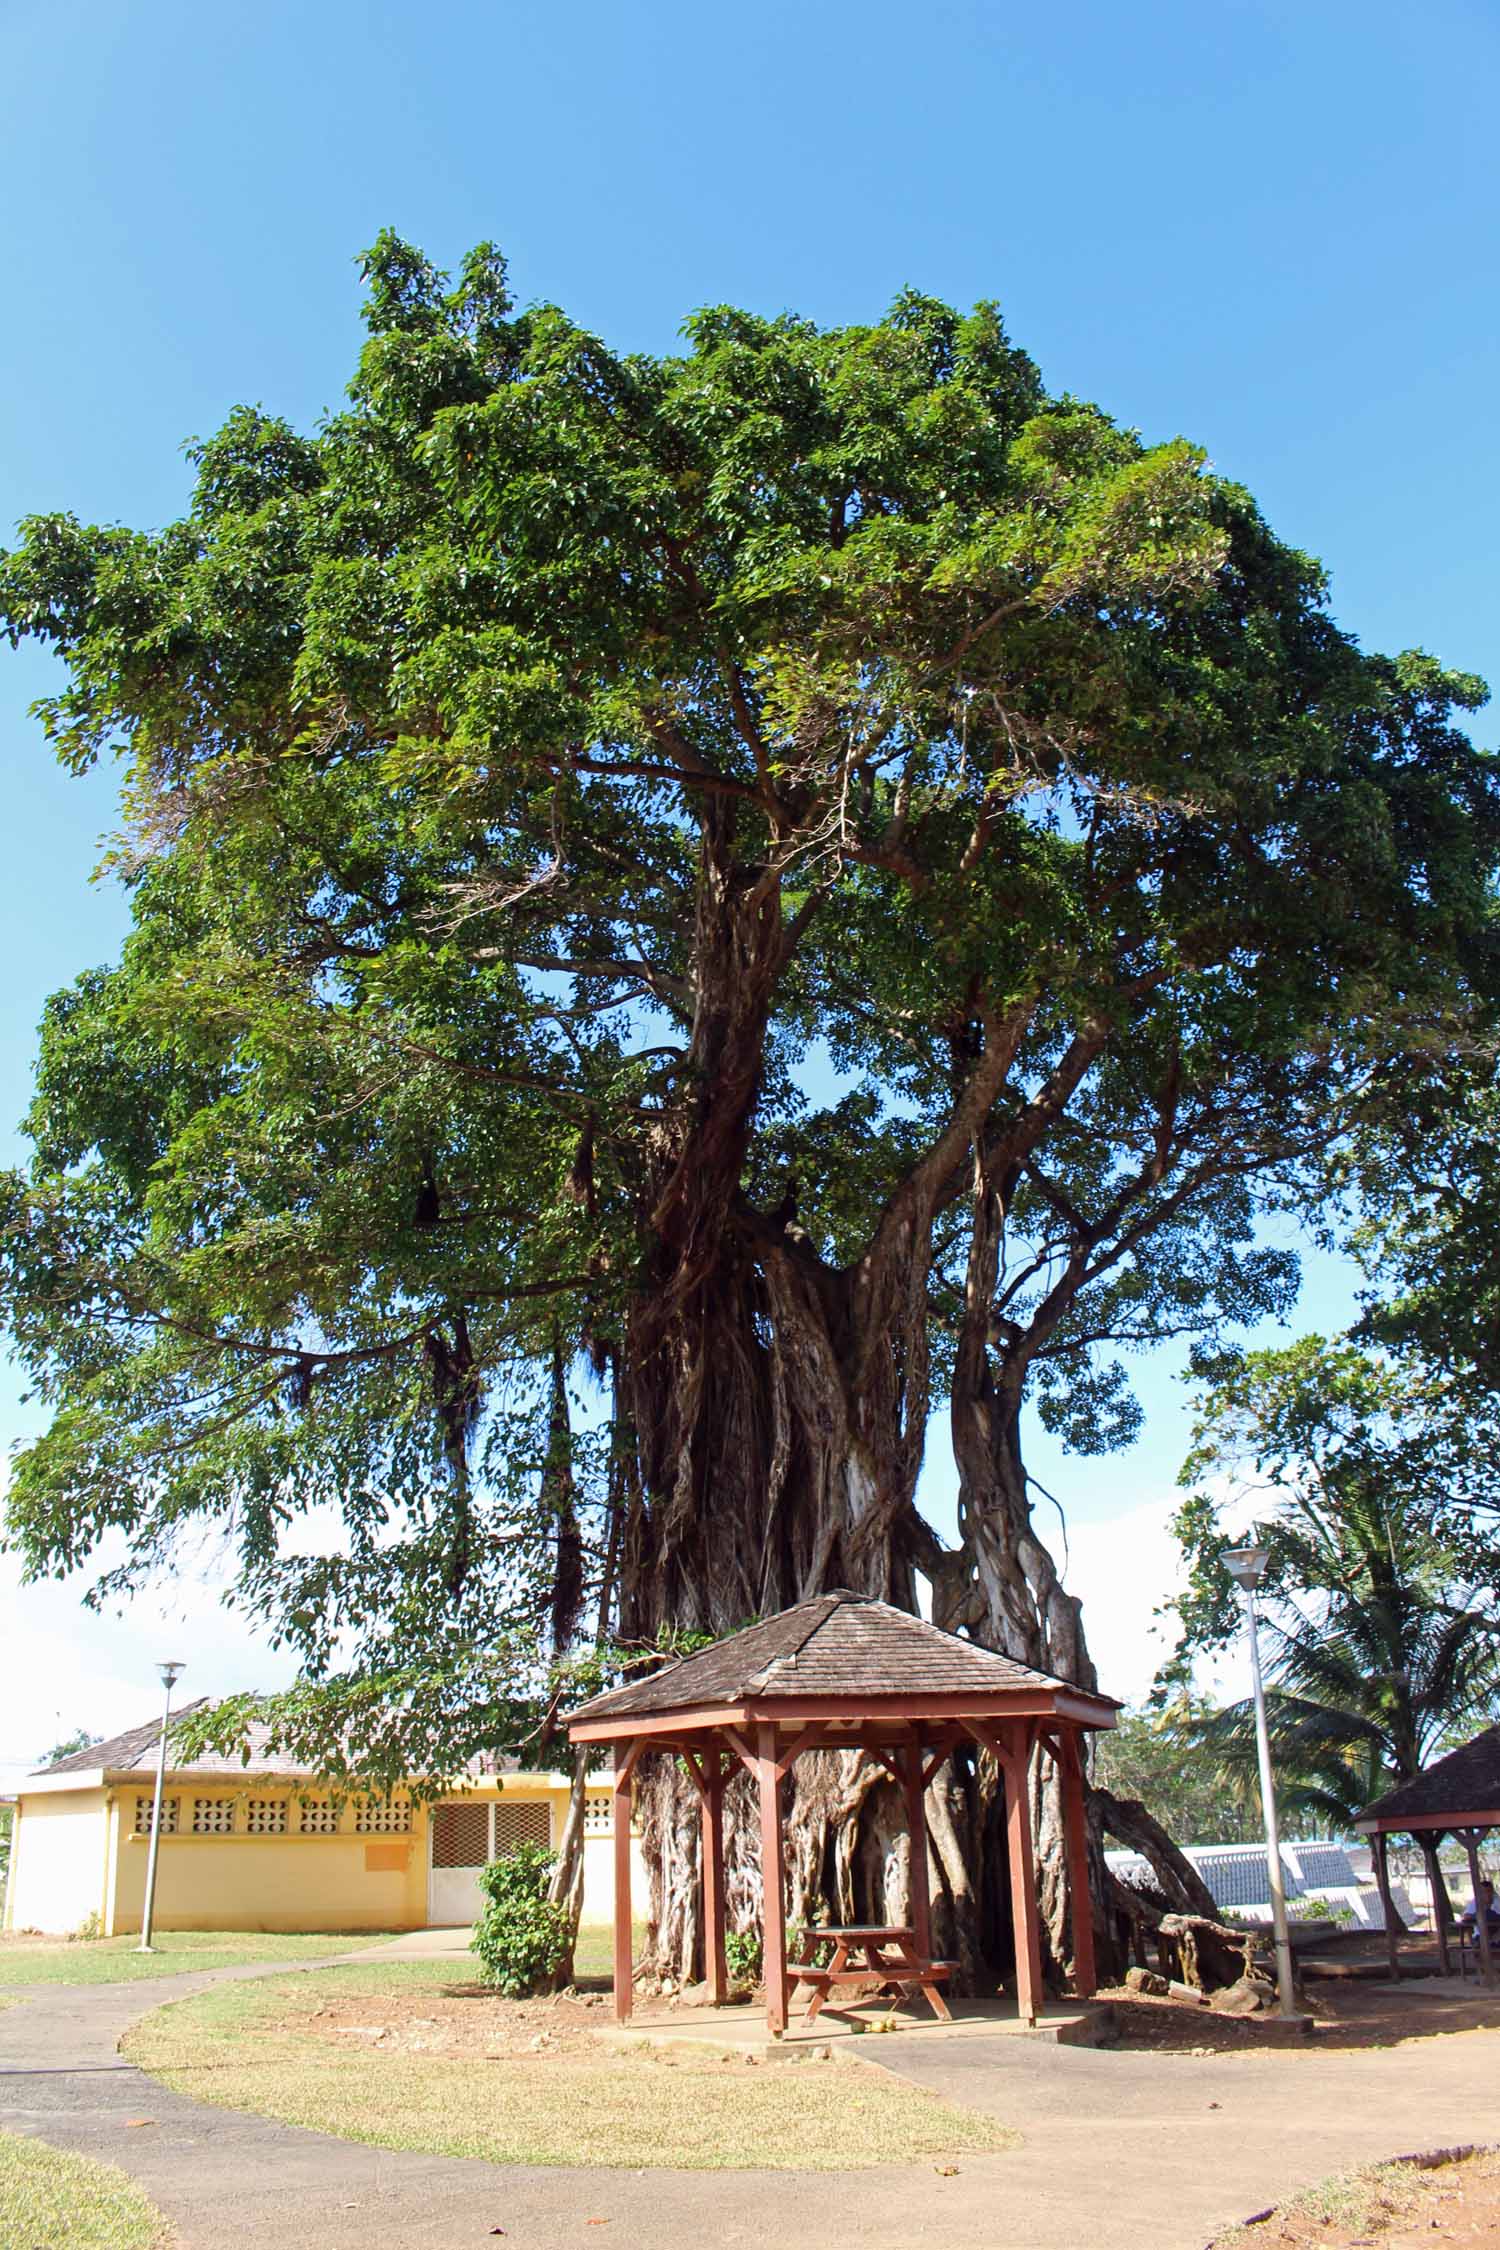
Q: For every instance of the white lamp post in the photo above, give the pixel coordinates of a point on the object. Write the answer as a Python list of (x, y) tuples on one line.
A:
[(1247, 1567), (169, 1673)]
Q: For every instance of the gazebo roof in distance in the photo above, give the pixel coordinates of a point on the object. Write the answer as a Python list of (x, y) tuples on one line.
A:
[(1459, 1791), (839, 1649)]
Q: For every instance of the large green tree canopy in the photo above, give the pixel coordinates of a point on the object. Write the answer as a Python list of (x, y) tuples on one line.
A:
[(807, 870)]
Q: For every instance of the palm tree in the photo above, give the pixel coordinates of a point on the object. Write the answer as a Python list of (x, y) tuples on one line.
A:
[(1383, 1643)]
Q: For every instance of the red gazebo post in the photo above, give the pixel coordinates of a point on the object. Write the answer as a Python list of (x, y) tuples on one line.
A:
[(626, 1754), (768, 1774), (715, 1964)]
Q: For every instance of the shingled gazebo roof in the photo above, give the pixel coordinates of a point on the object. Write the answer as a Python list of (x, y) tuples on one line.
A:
[(1459, 1791), (840, 1649)]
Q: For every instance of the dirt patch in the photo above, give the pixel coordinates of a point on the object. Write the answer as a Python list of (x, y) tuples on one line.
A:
[(428, 2022), (1395, 2206), (1343, 2015)]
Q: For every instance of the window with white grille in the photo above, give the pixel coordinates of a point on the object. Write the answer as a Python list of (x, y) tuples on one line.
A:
[(598, 1814), (382, 1816), (318, 1816), (213, 1816), (265, 1816), (460, 1833), (168, 1816), (521, 1821)]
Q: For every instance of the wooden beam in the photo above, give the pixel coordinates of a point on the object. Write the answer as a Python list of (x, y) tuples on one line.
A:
[(693, 1718), (988, 1738), (1076, 1840), (625, 1759), (711, 1817), (742, 1750), (693, 1767), (916, 1827), (893, 1712), (1405, 1824), (787, 1757), (942, 1749), (772, 1883), (1025, 1917)]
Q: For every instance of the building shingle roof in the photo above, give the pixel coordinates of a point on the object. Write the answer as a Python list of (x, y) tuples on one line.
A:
[(135, 1751), (1464, 1783), (836, 1644)]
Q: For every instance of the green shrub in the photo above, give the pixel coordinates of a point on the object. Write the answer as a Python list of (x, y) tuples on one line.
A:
[(522, 1937), (817, 1955), (1322, 1910), (742, 1955)]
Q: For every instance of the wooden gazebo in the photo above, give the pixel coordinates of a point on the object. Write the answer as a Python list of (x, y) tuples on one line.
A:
[(843, 1672), (1455, 1796)]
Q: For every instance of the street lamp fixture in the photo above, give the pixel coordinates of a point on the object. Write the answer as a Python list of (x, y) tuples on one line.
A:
[(1247, 1566), (168, 1673)]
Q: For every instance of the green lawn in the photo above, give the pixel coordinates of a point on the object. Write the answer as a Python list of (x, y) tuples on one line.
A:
[(250, 2046), (117, 1960), (594, 1954), (49, 2201)]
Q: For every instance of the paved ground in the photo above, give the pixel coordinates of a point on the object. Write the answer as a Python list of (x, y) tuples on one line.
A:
[(1122, 2151), (421, 1945)]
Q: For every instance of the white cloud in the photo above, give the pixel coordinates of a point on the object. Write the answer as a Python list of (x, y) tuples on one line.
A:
[(1122, 1569), (63, 1666)]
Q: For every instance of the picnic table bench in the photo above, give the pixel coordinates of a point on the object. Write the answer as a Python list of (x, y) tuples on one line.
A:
[(868, 1958)]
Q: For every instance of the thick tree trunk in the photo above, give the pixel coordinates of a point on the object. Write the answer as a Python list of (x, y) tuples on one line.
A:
[(776, 1408), (804, 1454)]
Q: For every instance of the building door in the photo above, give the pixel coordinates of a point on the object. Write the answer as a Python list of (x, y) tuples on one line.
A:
[(466, 1833)]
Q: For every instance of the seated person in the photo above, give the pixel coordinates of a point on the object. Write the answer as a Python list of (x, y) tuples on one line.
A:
[(1469, 1919)]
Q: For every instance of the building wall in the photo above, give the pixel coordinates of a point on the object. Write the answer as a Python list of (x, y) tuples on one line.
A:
[(599, 1880), (240, 1882), (58, 1869), (84, 1852)]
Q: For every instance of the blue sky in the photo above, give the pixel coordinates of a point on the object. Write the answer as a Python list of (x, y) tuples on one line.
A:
[(1269, 227)]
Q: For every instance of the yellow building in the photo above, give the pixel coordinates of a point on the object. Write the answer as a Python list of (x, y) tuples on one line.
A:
[(267, 1846)]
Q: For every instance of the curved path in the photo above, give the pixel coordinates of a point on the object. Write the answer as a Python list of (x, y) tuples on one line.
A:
[(1122, 2150)]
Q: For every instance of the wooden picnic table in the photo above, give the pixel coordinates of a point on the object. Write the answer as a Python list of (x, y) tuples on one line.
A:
[(868, 1957)]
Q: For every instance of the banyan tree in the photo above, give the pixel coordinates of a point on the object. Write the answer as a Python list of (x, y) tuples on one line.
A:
[(703, 924)]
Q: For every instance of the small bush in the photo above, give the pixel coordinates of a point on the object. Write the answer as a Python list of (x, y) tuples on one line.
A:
[(818, 1954), (522, 1937), (742, 1955), (1323, 1910)]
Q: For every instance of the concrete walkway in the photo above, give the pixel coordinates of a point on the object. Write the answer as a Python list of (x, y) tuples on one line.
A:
[(1121, 2151)]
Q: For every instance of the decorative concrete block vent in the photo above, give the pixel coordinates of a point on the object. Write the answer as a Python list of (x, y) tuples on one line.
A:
[(265, 1816), (598, 1813), (213, 1816), (168, 1816), (382, 1816), (318, 1816)]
